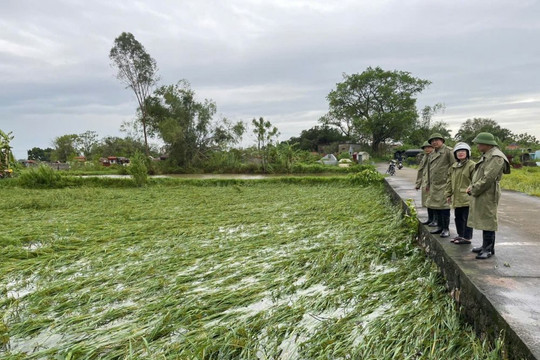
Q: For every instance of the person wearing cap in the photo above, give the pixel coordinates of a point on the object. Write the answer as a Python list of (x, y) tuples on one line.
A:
[(485, 192), (421, 182), (439, 161), (459, 180)]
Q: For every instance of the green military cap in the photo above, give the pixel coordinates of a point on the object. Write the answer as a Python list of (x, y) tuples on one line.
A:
[(425, 144), (485, 138), (435, 136)]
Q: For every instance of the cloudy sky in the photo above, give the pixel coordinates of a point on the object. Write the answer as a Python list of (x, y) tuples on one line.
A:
[(272, 58)]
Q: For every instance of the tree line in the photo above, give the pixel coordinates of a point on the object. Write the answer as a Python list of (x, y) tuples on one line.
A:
[(372, 108)]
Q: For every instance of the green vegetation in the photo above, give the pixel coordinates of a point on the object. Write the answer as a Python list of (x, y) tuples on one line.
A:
[(221, 270), (526, 180), (138, 169)]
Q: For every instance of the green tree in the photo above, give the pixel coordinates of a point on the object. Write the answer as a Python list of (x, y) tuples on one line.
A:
[(86, 143), (266, 134), (526, 140), (138, 71), (379, 104), (116, 146), (187, 126), (6, 156), (65, 147), (138, 169), (310, 139), (425, 126), (40, 154), (470, 128)]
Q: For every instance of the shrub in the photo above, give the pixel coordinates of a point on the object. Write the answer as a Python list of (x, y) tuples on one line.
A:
[(43, 177), (366, 177), (138, 169)]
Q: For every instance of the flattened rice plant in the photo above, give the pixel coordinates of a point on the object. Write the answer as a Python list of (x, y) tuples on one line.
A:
[(265, 270)]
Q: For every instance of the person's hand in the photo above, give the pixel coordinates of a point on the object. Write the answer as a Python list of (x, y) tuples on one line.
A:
[(449, 200), (468, 191)]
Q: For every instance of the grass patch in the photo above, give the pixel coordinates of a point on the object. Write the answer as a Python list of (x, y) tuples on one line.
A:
[(268, 270), (526, 180)]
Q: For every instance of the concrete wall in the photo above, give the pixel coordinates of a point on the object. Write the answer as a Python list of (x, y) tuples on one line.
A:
[(474, 306)]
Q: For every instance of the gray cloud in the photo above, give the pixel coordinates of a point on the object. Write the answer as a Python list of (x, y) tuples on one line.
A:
[(277, 59)]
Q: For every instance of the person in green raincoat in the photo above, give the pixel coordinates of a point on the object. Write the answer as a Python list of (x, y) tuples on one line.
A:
[(485, 192), (421, 182), (439, 161), (459, 179)]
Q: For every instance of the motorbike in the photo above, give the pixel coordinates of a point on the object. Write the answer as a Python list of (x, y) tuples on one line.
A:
[(391, 168), (400, 165)]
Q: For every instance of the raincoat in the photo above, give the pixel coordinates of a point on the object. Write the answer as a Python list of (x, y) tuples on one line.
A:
[(421, 178), (439, 161), (459, 179), (486, 190)]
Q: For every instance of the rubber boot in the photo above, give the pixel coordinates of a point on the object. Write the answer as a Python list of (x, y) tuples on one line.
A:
[(433, 222), (488, 245), (439, 228), (445, 226), (430, 217)]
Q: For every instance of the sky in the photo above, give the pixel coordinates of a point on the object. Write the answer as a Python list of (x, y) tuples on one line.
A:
[(277, 59)]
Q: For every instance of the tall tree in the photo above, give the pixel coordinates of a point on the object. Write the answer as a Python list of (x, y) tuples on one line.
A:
[(6, 156), (116, 146), (137, 70), (65, 147), (425, 126), (40, 154), (310, 139), (187, 126), (380, 104), (86, 142), (266, 133), (526, 140), (470, 128)]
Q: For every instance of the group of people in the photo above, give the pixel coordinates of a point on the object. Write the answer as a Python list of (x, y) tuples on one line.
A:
[(448, 178)]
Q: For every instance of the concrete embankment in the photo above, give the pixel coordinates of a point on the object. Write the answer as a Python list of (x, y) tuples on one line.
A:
[(500, 294)]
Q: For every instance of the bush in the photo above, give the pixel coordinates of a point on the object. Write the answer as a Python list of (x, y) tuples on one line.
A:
[(138, 169), (43, 177), (366, 178)]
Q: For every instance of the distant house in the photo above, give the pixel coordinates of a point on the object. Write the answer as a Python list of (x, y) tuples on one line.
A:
[(513, 146), (360, 156), (114, 160), (29, 163), (349, 147)]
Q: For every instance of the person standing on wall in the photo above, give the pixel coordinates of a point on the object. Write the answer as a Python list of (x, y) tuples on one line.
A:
[(421, 182), (439, 161), (459, 180), (485, 192)]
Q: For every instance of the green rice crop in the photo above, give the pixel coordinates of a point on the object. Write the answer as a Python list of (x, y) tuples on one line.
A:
[(526, 180), (235, 270)]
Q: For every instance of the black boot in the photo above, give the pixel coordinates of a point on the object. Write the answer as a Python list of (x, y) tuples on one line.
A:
[(445, 225), (488, 245), (430, 217), (437, 218)]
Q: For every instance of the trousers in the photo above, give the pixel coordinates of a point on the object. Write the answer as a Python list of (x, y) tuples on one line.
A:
[(461, 215)]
